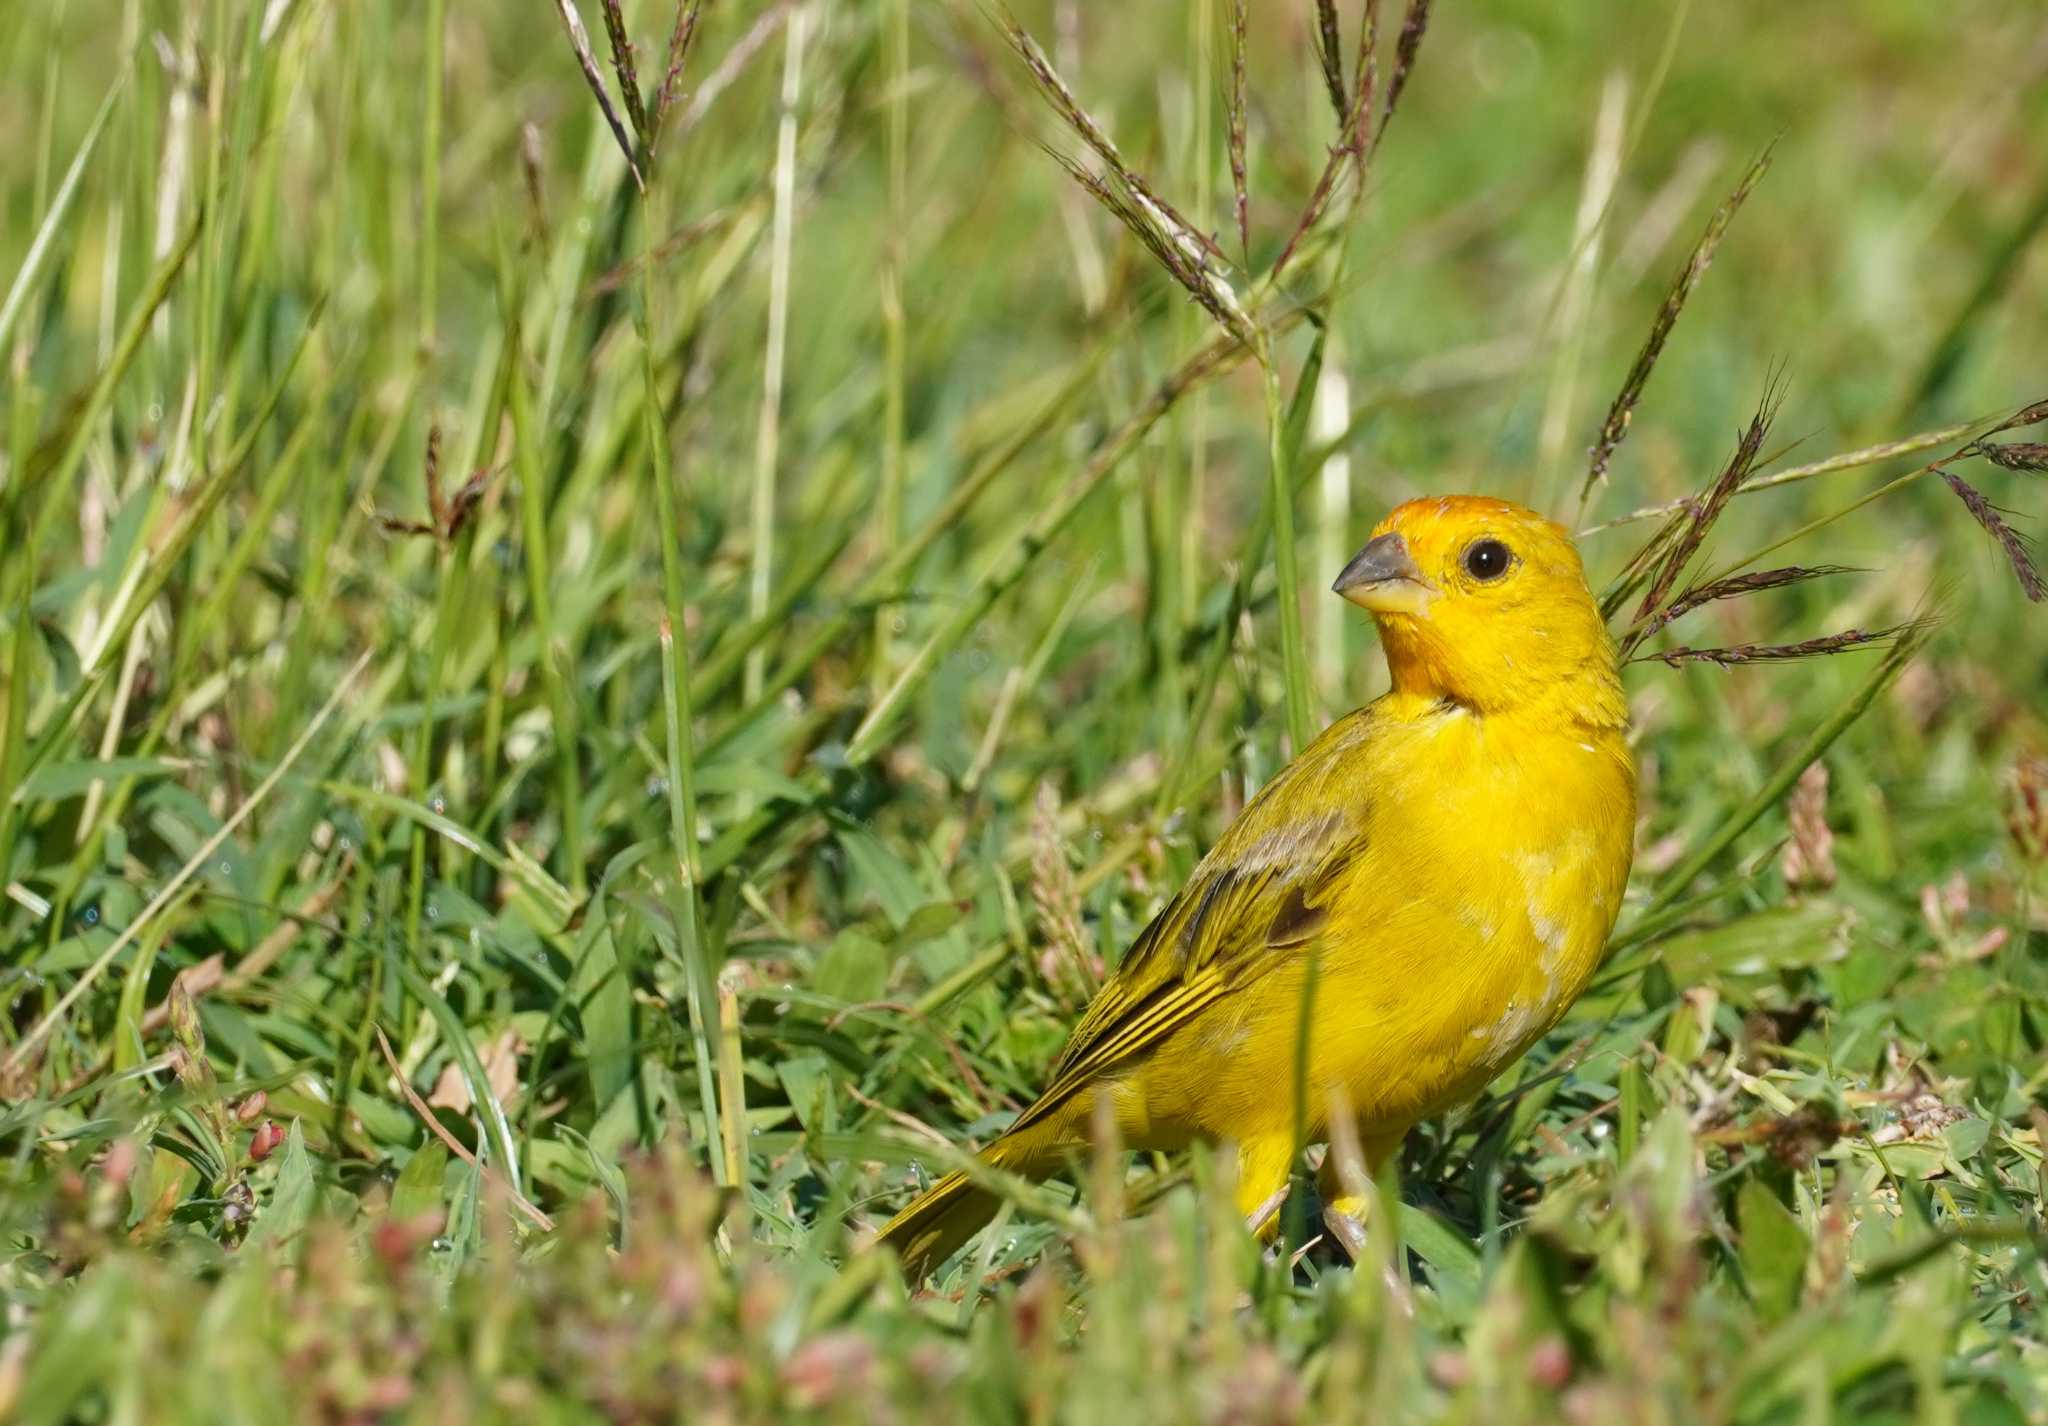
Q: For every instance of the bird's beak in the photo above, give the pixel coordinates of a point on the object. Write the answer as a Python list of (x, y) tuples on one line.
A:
[(1383, 579)]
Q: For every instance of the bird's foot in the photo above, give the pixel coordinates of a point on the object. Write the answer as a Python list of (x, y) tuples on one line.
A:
[(1345, 1218), (1263, 1221)]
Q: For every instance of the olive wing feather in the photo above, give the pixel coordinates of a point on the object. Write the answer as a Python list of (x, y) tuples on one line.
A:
[(1261, 893)]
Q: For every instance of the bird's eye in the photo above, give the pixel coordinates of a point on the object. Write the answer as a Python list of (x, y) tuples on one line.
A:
[(1487, 559)]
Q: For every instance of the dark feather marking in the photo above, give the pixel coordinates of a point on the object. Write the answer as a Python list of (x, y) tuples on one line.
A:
[(1191, 929), (1295, 921)]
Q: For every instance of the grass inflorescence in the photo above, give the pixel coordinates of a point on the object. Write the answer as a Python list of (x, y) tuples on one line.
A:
[(609, 620)]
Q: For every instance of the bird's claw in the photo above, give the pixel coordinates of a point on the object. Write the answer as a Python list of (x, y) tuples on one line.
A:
[(1346, 1229)]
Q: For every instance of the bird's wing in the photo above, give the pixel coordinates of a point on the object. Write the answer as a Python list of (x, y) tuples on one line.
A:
[(1259, 894)]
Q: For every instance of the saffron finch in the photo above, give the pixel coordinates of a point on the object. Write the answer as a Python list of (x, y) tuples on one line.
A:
[(1450, 859)]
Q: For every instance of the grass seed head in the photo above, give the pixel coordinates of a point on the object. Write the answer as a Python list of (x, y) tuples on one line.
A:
[(1728, 656), (2026, 814), (2015, 455), (1622, 412), (1808, 861), (2014, 545)]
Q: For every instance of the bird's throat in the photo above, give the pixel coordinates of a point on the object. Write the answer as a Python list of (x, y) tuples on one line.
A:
[(1567, 682)]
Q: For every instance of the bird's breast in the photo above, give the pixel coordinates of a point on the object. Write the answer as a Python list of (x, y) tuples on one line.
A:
[(1498, 863)]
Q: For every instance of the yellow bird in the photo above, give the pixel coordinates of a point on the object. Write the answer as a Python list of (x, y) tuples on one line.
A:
[(1450, 859)]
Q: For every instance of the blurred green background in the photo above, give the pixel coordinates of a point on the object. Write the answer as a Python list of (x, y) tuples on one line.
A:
[(1784, 1163)]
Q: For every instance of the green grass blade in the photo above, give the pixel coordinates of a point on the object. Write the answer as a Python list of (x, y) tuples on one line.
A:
[(44, 243)]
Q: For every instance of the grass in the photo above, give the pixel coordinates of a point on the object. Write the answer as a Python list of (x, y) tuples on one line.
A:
[(565, 740)]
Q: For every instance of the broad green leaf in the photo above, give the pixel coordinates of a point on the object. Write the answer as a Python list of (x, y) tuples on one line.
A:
[(604, 995), (927, 923), (807, 1083), (291, 1197), (128, 1015), (881, 873), (1774, 1249), (1448, 1252), (1965, 1138), (59, 781), (1758, 944), (419, 1192), (854, 968), (603, 1168), (1917, 1161)]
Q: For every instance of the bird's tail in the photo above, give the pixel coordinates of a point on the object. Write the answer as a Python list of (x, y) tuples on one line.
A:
[(937, 1222)]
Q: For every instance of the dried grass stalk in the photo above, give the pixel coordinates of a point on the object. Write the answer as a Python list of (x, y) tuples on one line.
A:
[(1187, 254), (1413, 26), (681, 39), (1187, 270), (2031, 415), (624, 66), (1056, 93), (1733, 654), (2009, 539), (1366, 92), (1734, 586), (2014, 455), (1240, 197), (432, 462), (1691, 528), (447, 516), (1318, 202), (766, 23), (1357, 139), (681, 240), (1615, 429), (1328, 39), (1845, 460), (579, 41)]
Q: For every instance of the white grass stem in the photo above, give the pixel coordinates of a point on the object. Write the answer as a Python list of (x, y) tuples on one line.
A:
[(768, 432)]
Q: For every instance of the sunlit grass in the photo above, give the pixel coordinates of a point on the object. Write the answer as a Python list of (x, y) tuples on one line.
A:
[(702, 889)]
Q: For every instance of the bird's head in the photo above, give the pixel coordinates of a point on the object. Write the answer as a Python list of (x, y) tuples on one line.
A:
[(1484, 603)]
